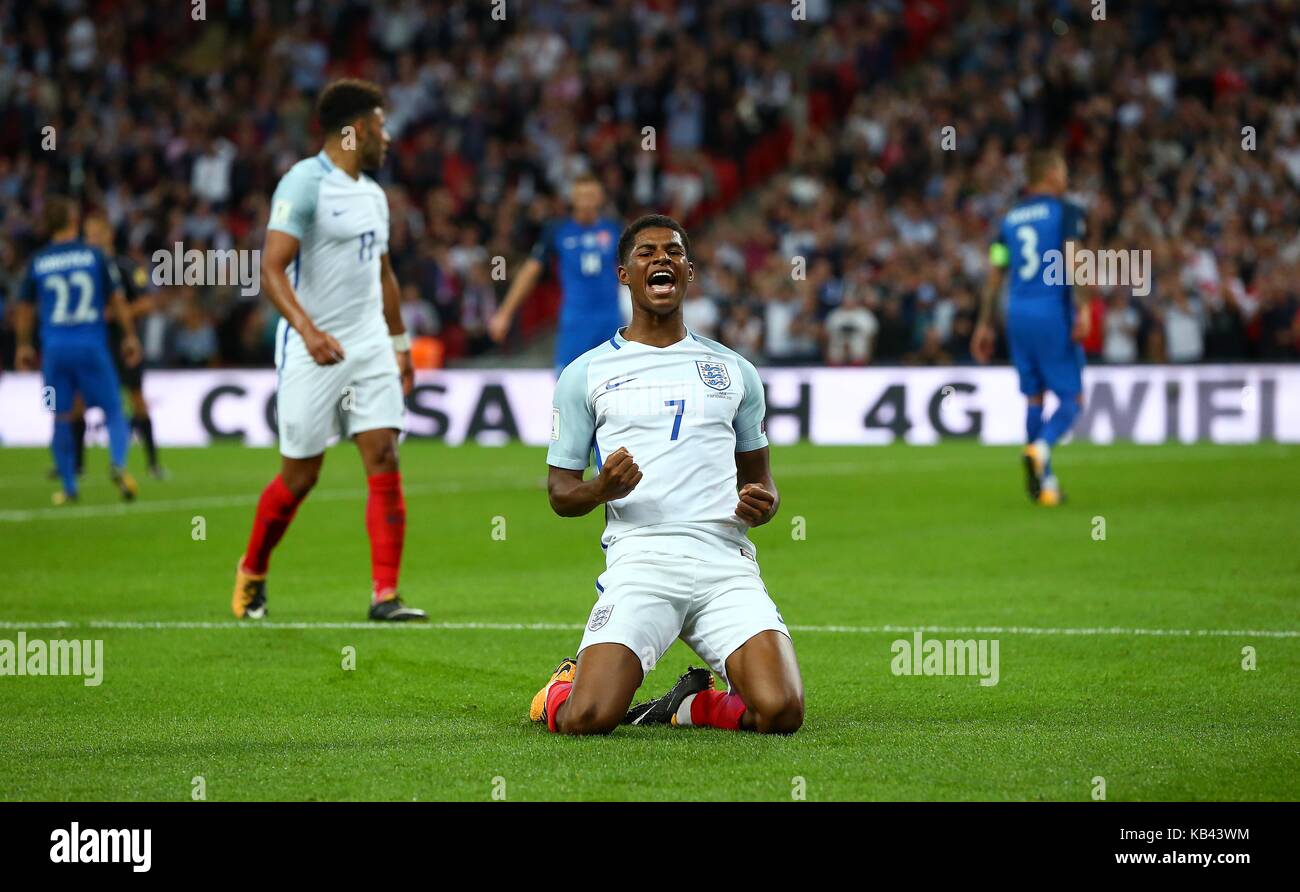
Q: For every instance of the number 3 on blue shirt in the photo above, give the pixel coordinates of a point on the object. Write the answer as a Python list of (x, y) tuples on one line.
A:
[(677, 418)]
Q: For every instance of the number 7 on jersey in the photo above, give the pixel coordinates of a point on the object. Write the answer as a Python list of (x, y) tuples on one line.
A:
[(677, 416)]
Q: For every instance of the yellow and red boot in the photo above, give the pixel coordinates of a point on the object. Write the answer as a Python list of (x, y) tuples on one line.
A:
[(563, 673)]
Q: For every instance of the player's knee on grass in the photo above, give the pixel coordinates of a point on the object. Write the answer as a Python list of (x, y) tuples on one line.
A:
[(765, 674), (588, 717), (607, 678), (776, 712)]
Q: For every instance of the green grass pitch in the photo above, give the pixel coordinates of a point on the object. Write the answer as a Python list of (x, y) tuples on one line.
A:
[(1197, 538)]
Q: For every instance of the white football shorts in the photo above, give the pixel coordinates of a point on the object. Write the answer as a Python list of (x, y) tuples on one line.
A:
[(317, 404), (649, 599)]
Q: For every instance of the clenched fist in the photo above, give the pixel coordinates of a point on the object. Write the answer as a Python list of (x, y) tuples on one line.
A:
[(619, 475), (756, 505)]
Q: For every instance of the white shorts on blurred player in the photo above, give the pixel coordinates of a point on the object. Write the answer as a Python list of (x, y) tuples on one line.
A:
[(317, 404)]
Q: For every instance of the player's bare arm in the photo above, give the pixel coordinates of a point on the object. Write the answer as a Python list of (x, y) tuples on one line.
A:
[(278, 253), (571, 496), (982, 341), (759, 499), (520, 288), (24, 322), (396, 327), (142, 306), (131, 352), (1082, 325)]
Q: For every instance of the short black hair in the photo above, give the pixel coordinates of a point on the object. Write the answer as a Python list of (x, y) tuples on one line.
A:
[(343, 101), (649, 221)]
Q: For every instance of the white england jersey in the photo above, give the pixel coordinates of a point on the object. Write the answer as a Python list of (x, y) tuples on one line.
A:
[(683, 412), (342, 228)]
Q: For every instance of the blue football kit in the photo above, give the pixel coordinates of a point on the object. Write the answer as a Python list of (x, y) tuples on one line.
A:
[(1031, 246), (586, 259), (1040, 313), (70, 284)]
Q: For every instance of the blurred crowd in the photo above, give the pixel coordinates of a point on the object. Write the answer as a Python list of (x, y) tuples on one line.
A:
[(1181, 123), (867, 243)]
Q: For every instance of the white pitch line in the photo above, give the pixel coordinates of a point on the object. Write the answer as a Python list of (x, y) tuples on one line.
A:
[(1119, 631)]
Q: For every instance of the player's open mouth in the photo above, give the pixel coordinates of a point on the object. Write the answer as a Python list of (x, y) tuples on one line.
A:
[(661, 283)]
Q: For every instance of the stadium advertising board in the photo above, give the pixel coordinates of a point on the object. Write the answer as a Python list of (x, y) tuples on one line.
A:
[(872, 406)]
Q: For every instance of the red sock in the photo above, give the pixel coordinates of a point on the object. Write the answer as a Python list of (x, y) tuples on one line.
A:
[(555, 698), (715, 709), (386, 523), (275, 509)]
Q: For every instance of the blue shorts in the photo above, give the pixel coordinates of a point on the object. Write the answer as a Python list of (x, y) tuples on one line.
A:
[(77, 367), (575, 340), (1045, 356)]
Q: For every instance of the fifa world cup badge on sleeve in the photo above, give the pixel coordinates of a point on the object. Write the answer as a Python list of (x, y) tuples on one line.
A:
[(555, 424)]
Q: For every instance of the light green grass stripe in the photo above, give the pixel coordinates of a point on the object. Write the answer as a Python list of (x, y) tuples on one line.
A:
[(873, 461)]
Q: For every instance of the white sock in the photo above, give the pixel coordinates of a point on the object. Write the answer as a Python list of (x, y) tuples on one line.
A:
[(684, 712)]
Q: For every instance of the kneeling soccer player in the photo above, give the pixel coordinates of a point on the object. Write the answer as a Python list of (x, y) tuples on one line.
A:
[(678, 562)]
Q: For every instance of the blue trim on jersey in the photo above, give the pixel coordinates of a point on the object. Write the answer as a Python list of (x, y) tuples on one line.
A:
[(618, 336), (599, 465), (600, 588), (284, 345)]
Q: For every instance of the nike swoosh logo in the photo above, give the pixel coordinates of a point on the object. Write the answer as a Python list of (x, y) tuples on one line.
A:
[(615, 384), (336, 213)]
